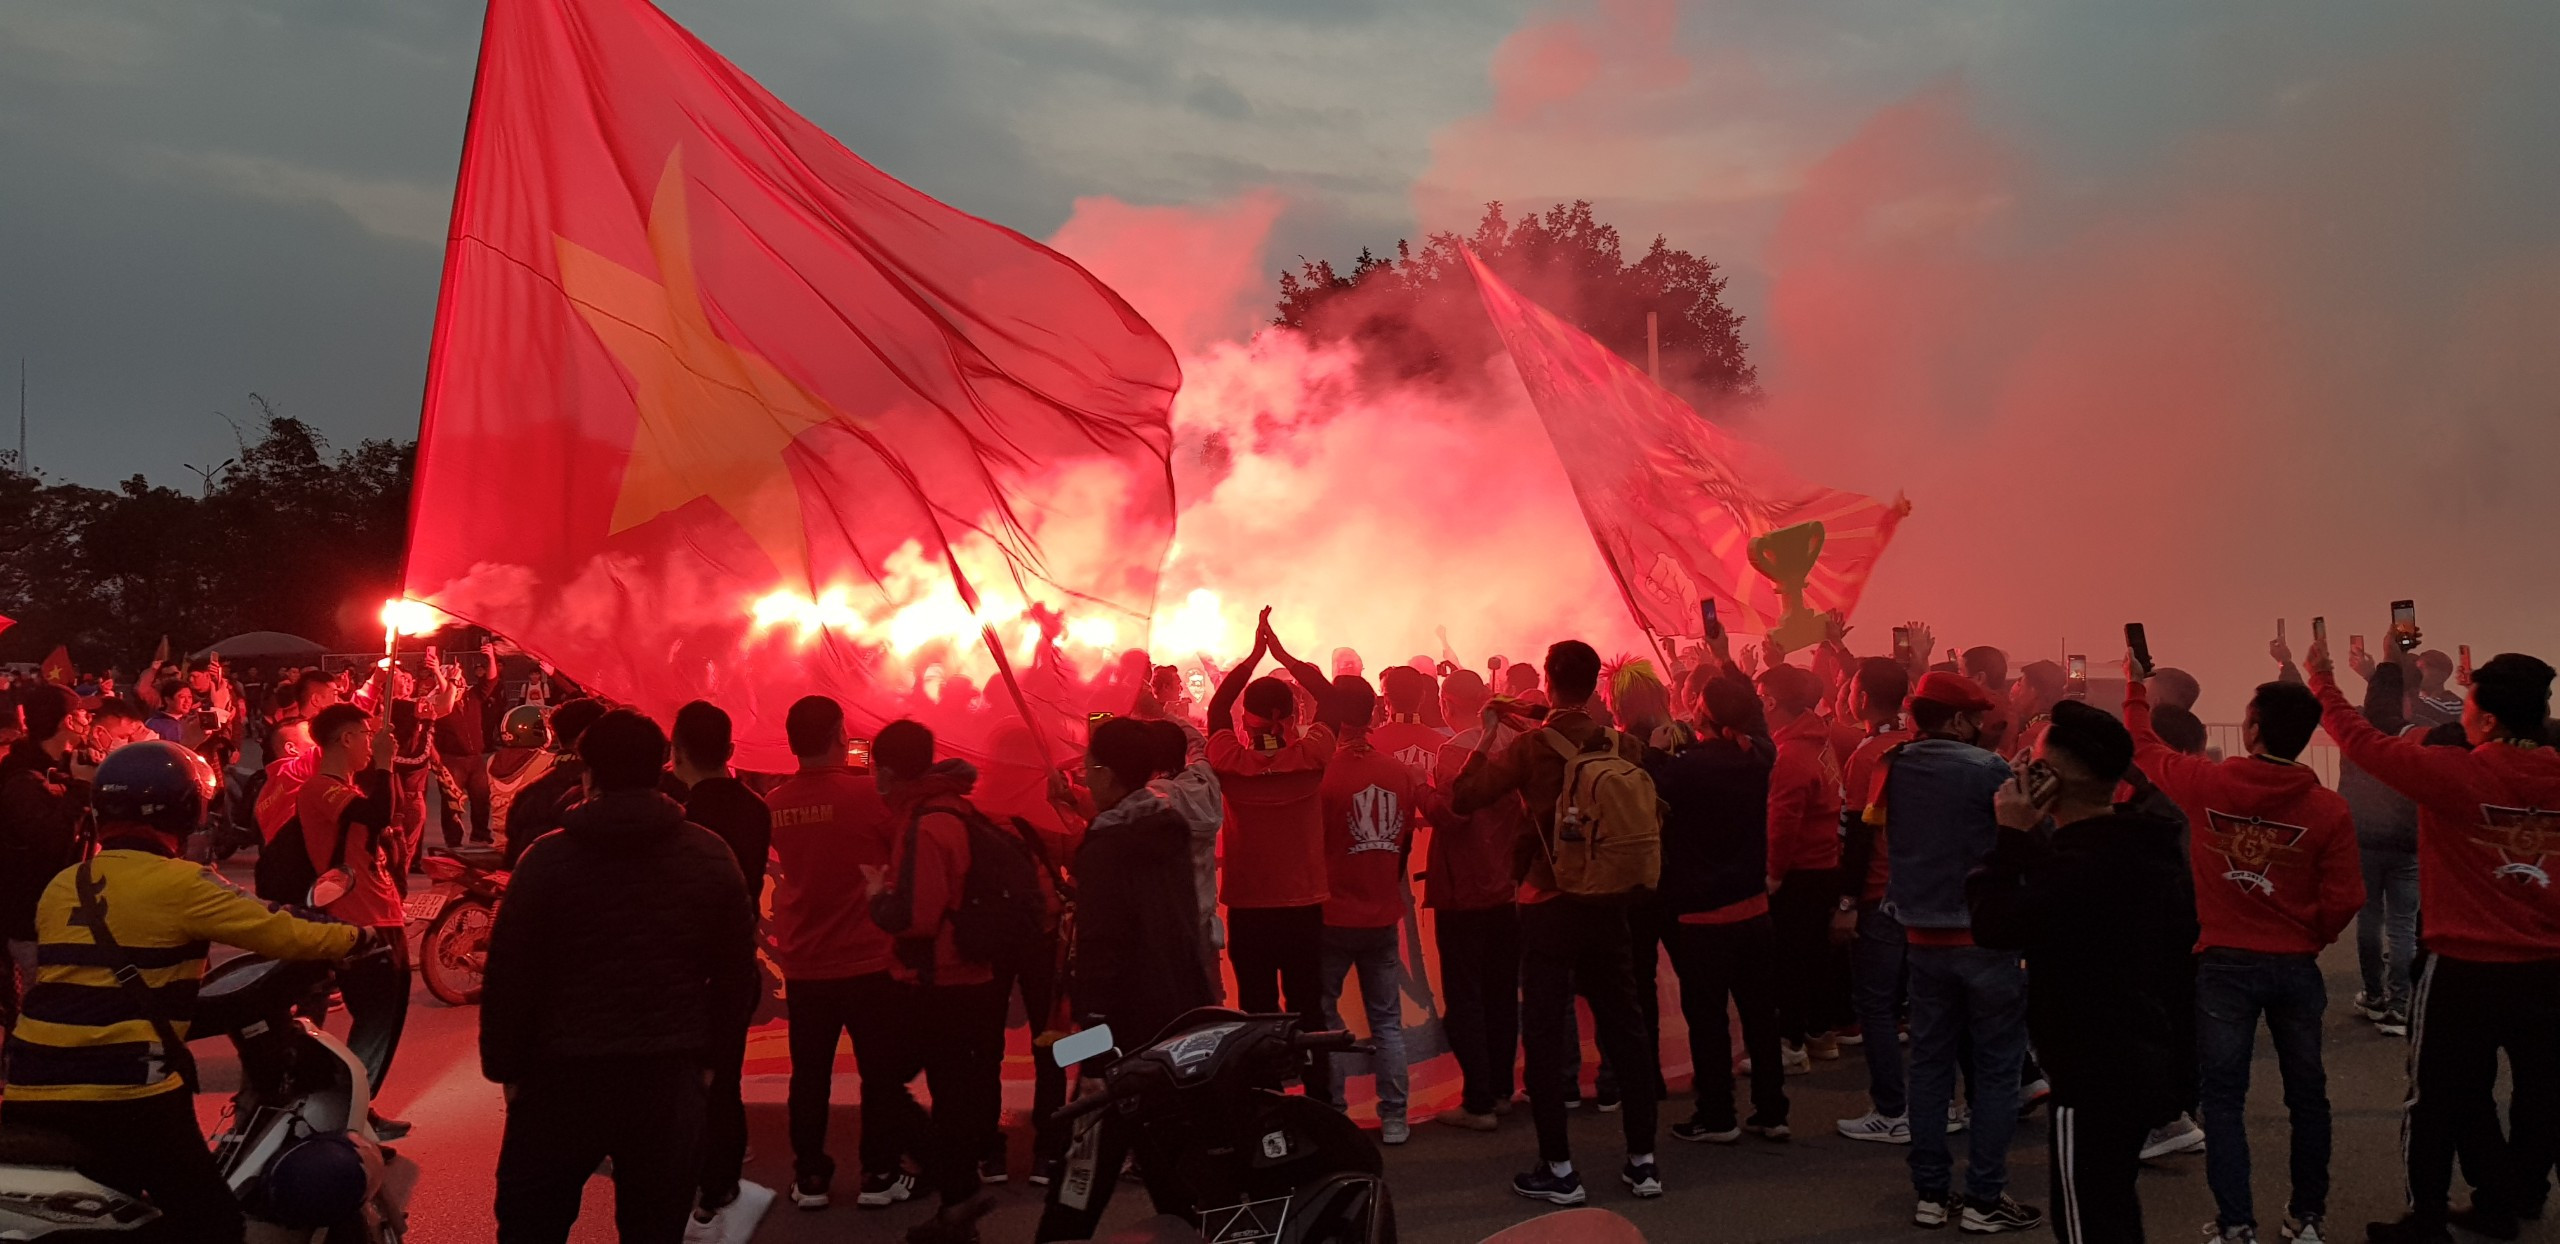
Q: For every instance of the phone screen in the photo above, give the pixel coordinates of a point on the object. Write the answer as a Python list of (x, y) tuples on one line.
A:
[(857, 753), (2079, 668), (2404, 614), (2320, 631), (1902, 644)]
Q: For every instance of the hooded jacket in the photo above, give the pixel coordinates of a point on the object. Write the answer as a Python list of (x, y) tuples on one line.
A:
[(40, 809), (1934, 804), (1137, 963), (2105, 913), (1804, 799), (2488, 834), (1193, 795), (627, 933), (929, 873), (1715, 842), (2273, 851)]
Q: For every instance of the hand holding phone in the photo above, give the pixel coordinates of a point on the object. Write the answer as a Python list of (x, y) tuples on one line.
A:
[(2404, 624), (2462, 671), (2138, 641)]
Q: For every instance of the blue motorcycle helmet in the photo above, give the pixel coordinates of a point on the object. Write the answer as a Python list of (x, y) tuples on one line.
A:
[(318, 1181), (154, 783)]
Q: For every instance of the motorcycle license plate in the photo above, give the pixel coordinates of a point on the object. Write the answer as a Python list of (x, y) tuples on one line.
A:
[(427, 905), (1084, 1156)]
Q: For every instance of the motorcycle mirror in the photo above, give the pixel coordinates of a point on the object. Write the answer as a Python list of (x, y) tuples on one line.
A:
[(1075, 1047)]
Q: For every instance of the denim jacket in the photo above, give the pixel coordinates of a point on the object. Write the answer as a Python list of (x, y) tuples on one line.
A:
[(1938, 828)]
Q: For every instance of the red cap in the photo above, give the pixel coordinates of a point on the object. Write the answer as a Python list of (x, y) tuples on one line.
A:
[(1953, 690)]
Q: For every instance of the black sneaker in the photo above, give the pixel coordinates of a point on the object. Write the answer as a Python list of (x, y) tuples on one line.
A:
[(1542, 1184), (1994, 1217), (810, 1192), (1699, 1131), (992, 1171), (1642, 1178), (2414, 1228), (880, 1190), (1607, 1103)]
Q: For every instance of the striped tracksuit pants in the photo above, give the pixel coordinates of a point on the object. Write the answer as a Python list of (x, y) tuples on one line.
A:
[(2097, 1153)]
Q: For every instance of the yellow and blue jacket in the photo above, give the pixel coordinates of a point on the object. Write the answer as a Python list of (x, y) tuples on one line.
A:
[(81, 1036)]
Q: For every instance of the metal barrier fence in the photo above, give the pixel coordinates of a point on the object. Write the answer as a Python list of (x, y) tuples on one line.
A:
[(2223, 739)]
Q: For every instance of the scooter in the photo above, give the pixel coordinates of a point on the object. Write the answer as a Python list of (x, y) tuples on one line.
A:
[(295, 1144), (1228, 1157), (455, 914)]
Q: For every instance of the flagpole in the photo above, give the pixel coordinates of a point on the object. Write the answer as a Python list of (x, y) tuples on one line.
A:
[(1653, 347)]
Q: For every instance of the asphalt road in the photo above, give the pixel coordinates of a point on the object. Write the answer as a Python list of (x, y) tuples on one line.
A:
[(1451, 1186)]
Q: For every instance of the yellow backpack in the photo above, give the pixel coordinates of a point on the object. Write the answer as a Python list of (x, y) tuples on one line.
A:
[(1608, 831)]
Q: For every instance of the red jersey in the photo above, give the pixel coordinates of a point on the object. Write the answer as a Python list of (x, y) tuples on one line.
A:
[(1862, 787), (1271, 849), (831, 848), (1369, 802), (372, 902), (1412, 744), (1469, 857), (2274, 851), (2488, 834), (280, 800), (1804, 799)]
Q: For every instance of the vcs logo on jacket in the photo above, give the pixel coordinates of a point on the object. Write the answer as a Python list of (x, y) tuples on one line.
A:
[(2523, 838), (2250, 847)]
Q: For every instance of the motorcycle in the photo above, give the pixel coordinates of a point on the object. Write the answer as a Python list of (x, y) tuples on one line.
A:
[(453, 917), (296, 1144), (1228, 1157)]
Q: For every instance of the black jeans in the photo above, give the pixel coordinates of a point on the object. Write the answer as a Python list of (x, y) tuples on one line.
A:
[(876, 1011), (960, 1042), (1480, 996), (1278, 951), (2468, 1011), (724, 1135), (1644, 966), (1714, 962), (151, 1146), (1037, 977), (1800, 916), (2097, 1153), (2234, 988), (376, 991), (1565, 943), (643, 1113)]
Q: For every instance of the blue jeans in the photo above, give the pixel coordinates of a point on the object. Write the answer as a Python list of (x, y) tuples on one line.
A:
[(1875, 989), (2233, 988), (2387, 928), (1375, 955), (1969, 992)]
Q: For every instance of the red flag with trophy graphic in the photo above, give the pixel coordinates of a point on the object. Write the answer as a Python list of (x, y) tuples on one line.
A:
[(717, 410), (1675, 502)]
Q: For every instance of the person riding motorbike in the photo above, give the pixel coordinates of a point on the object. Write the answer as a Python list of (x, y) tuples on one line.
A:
[(99, 1055)]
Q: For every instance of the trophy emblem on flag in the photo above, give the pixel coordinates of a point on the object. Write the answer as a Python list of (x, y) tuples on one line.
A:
[(1786, 558)]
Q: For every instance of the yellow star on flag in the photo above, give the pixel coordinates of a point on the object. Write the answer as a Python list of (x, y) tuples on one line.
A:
[(714, 418)]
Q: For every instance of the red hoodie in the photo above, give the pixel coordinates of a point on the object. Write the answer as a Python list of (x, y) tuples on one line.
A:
[(2488, 834), (2273, 851), (1861, 789), (1804, 799), (932, 865), (1369, 802)]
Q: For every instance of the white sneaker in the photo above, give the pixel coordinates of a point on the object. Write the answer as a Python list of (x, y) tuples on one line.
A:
[(2216, 1233), (1794, 1059), (735, 1223), (1877, 1128), (2304, 1231), (1959, 1117), (1393, 1131), (2180, 1135)]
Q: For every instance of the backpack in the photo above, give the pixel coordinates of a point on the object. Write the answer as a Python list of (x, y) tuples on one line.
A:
[(1608, 832), (285, 873), (1003, 914)]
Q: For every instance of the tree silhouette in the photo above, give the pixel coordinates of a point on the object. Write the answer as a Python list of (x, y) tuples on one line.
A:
[(1418, 318)]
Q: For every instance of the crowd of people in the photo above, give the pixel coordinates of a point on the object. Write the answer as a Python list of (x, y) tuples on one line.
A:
[(2004, 894)]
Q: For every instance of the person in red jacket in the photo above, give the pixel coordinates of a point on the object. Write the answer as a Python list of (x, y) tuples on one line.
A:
[(831, 846), (956, 1010), (1804, 863), (2277, 879), (1271, 857), (2488, 842), (1370, 798), (1468, 885)]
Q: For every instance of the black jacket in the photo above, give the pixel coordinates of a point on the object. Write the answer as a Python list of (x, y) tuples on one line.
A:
[(1138, 963), (628, 934), (544, 806), (1715, 823), (2105, 912), (40, 809), (726, 807)]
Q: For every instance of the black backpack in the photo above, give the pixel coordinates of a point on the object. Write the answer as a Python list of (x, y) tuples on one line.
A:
[(1001, 916), (285, 873)]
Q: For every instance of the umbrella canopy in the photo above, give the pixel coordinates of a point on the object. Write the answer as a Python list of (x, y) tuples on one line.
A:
[(264, 645)]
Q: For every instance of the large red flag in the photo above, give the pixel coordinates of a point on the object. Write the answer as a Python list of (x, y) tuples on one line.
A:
[(715, 409), (1674, 501)]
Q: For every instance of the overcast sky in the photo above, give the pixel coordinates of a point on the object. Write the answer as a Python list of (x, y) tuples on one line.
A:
[(204, 198)]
